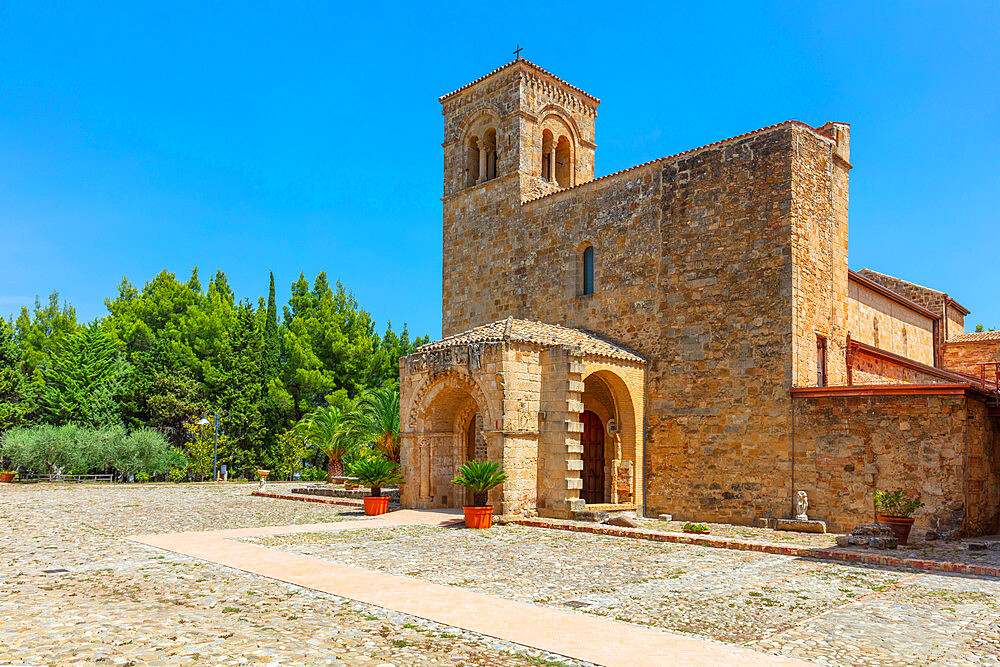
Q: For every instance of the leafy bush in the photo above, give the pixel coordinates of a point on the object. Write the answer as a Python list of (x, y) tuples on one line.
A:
[(43, 449), (177, 475), (46, 449), (695, 527), (479, 477), (376, 472), (896, 503), (313, 474), (142, 477)]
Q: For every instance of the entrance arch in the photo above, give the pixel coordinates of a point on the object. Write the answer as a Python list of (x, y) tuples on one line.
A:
[(447, 430), (609, 439)]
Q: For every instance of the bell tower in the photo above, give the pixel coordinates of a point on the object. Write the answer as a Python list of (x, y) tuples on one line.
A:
[(520, 126)]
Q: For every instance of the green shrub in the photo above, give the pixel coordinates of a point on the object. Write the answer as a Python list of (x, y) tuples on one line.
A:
[(376, 472), (177, 475), (142, 477), (896, 503), (696, 527), (479, 477), (44, 449)]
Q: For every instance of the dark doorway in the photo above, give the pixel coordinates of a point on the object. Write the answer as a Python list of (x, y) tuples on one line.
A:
[(593, 458)]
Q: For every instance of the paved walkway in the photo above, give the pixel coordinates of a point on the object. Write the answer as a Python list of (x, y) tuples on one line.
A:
[(575, 635)]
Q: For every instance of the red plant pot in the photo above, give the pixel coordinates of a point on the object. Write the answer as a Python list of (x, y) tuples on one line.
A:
[(697, 532), (478, 517), (7, 477), (900, 526), (375, 506)]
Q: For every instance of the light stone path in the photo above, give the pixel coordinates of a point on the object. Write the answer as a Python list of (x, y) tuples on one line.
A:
[(583, 637), (831, 613)]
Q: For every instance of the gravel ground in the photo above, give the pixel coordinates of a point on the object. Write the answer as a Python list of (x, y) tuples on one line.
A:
[(827, 612), (119, 603)]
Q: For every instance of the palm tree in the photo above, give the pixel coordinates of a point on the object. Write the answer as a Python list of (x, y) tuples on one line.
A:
[(326, 428), (375, 421)]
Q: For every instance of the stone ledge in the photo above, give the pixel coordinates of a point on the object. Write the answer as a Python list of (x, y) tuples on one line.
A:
[(310, 499), (801, 525), (770, 548)]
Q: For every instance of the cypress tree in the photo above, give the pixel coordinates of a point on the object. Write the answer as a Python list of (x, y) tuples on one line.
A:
[(271, 362)]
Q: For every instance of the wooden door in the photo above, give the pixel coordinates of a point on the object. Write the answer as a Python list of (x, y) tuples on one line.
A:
[(593, 458)]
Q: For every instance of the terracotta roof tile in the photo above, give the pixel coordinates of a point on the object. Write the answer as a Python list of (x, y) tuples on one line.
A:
[(537, 333), (975, 337)]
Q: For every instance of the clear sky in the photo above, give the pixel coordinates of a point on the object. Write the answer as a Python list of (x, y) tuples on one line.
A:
[(306, 137)]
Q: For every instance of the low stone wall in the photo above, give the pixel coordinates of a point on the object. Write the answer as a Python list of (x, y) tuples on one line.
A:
[(334, 492), (941, 446)]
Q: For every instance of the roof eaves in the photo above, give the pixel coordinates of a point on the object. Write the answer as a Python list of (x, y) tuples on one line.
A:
[(682, 154)]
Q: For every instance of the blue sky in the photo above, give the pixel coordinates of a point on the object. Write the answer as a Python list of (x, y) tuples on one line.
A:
[(305, 137)]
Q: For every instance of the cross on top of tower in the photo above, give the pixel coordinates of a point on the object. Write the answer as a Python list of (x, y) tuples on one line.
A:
[(517, 52)]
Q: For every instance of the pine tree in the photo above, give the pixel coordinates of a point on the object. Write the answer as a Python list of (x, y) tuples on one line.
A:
[(83, 381), (13, 384)]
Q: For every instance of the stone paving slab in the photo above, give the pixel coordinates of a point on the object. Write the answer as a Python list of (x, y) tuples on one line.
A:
[(122, 603), (845, 555), (578, 636)]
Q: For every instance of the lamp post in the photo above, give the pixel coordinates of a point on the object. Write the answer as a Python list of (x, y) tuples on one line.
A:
[(216, 416)]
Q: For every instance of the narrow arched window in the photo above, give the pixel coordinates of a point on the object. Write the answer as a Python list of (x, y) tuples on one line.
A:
[(588, 270)]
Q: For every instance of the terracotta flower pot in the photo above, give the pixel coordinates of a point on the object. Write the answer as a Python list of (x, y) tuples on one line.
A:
[(478, 517), (376, 505), (900, 525), (7, 477), (698, 532)]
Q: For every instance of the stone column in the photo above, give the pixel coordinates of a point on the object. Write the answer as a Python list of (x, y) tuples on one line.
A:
[(482, 160), (552, 162)]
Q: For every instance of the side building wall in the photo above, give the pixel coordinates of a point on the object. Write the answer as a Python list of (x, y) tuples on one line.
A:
[(887, 325), (849, 445), (966, 357)]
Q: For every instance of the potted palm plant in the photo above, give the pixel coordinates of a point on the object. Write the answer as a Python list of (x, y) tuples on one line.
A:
[(479, 477), (896, 510), (376, 472)]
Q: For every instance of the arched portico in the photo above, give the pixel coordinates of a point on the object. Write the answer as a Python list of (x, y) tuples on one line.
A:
[(446, 429)]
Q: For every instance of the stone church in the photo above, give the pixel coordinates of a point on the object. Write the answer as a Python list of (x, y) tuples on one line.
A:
[(684, 336)]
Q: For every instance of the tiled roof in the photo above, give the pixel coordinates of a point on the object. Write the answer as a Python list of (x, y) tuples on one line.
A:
[(975, 337), (529, 64), (683, 153), (538, 333)]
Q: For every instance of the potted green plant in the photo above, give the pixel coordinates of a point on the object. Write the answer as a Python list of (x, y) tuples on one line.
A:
[(479, 477), (375, 472), (7, 476), (895, 510), (696, 528)]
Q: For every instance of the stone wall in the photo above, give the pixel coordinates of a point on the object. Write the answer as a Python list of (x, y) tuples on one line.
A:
[(965, 357), (846, 446), (888, 325), (873, 369), (694, 271)]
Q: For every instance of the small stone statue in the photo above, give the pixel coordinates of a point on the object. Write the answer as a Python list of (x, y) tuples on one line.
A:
[(801, 505)]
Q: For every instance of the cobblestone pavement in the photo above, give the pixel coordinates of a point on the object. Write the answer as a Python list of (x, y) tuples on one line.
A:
[(954, 551), (826, 612), (120, 603)]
